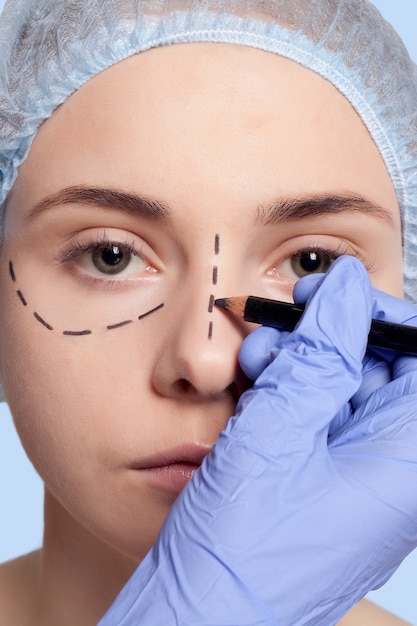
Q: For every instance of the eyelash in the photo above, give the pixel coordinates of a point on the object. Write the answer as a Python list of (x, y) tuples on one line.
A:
[(344, 249), (329, 253), (78, 248)]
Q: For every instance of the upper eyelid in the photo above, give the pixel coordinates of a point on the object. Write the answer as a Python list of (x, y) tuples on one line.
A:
[(92, 238), (339, 250), (76, 249), (317, 243), (343, 248), (314, 242)]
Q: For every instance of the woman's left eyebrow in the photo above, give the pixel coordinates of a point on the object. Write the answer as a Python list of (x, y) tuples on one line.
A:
[(104, 198), (315, 205)]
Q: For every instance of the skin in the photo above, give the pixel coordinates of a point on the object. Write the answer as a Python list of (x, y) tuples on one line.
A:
[(213, 132)]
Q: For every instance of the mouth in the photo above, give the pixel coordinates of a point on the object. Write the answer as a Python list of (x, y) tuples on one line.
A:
[(172, 469)]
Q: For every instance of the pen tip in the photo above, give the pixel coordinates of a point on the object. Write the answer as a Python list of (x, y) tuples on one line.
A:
[(221, 302)]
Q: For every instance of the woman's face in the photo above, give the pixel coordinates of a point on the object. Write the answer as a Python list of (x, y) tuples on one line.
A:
[(181, 174)]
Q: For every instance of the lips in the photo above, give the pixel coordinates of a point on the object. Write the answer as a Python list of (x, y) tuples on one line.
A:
[(172, 469)]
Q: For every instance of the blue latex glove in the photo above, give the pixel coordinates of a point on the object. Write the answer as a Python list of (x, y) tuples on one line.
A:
[(261, 347), (278, 527)]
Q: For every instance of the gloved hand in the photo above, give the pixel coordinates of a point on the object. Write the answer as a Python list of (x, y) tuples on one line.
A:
[(278, 527), (260, 347)]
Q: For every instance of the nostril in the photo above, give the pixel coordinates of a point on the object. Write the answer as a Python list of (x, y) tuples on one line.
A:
[(237, 387), (183, 385)]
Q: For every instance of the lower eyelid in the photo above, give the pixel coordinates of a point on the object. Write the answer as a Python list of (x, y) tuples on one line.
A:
[(109, 282)]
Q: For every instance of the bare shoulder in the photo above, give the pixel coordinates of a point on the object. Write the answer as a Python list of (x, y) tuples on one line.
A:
[(18, 588), (366, 613)]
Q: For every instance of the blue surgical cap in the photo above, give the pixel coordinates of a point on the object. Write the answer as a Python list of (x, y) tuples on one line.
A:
[(49, 48)]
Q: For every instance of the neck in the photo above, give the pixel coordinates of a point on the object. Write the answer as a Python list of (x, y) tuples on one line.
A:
[(80, 575)]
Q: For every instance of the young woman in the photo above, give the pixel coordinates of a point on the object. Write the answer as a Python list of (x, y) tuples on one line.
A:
[(137, 188)]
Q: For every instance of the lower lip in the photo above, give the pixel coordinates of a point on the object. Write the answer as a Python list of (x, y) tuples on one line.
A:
[(172, 478)]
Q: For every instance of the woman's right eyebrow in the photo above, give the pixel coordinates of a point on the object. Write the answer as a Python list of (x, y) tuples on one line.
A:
[(104, 198)]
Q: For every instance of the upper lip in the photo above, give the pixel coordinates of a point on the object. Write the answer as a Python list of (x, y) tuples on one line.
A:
[(186, 453)]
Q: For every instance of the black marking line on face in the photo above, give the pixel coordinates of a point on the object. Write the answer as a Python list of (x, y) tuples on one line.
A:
[(22, 297), (119, 325), (215, 275), (42, 321), (77, 333), (11, 272), (214, 280), (154, 310)]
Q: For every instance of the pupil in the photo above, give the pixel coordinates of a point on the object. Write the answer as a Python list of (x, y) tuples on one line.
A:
[(310, 261), (112, 255)]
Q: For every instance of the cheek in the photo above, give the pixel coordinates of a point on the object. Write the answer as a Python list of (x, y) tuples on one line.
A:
[(78, 404), (70, 395)]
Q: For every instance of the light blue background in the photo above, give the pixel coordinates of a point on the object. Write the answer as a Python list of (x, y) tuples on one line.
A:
[(21, 489)]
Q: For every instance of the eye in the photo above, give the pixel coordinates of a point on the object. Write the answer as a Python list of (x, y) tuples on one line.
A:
[(110, 259), (103, 257), (312, 261), (300, 258)]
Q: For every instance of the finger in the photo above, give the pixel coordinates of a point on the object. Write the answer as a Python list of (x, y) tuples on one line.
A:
[(258, 350), (305, 287)]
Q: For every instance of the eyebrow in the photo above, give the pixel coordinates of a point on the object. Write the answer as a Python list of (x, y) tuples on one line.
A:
[(277, 212), (314, 206), (104, 198)]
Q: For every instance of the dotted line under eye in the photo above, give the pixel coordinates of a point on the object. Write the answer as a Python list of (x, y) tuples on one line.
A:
[(119, 325), (75, 333), (214, 279), (42, 321), (22, 297)]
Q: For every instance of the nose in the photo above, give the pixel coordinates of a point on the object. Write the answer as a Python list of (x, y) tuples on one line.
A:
[(199, 358)]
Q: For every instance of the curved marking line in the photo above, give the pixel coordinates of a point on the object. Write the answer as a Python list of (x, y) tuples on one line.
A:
[(151, 311), (22, 297), (77, 333), (119, 325), (11, 272), (42, 321), (211, 304)]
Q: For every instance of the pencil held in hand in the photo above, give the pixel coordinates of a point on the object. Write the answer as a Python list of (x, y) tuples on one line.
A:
[(285, 316)]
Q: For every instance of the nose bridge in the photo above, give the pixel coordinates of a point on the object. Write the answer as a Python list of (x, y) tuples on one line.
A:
[(201, 352)]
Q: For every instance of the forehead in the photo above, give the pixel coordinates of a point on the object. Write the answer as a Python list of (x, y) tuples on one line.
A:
[(213, 108)]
